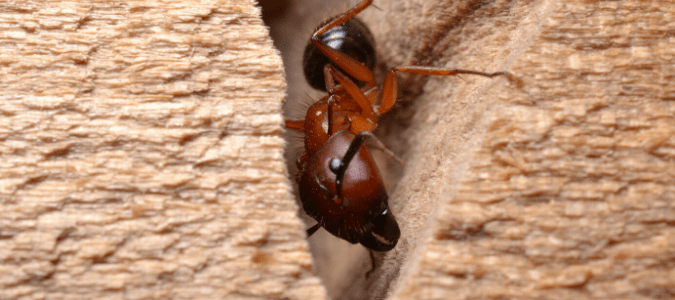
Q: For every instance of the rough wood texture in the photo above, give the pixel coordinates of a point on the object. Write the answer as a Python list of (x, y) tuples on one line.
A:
[(563, 188), (141, 154)]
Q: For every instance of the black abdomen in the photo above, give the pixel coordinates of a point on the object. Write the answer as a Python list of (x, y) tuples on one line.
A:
[(352, 38)]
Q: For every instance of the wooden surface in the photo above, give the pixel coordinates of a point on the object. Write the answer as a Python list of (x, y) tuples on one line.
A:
[(141, 154), (563, 188)]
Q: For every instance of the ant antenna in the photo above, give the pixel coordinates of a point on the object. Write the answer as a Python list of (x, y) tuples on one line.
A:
[(339, 166)]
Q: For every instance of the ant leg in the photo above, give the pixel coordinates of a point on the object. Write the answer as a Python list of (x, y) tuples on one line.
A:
[(390, 88), (313, 229), (330, 88), (343, 17), (350, 65), (328, 78), (372, 263), (330, 103), (339, 166), (298, 125), (353, 91)]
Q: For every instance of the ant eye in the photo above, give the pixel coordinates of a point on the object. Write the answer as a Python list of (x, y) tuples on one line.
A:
[(335, 164)]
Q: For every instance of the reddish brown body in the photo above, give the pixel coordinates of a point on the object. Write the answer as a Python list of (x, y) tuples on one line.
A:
[(364, 196), (340, 185)]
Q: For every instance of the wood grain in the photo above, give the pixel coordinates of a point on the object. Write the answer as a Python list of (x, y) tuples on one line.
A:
[(559, 189), (141, 154)]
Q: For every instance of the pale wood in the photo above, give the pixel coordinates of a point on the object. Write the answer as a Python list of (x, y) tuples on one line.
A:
[(141, 154), (562, 188)]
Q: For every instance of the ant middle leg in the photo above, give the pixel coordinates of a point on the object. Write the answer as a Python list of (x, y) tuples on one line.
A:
[(390, 87)]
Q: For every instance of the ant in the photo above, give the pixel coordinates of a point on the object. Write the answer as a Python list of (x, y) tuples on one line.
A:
[(339, 182)]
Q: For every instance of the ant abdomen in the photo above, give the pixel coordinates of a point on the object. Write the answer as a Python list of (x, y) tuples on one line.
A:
[(352, 38)]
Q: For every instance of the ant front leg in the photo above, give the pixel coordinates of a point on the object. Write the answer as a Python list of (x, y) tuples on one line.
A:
[(390, 88), (348, 64)]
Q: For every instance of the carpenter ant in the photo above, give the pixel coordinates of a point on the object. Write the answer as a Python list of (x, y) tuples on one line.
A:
[(339, 182)]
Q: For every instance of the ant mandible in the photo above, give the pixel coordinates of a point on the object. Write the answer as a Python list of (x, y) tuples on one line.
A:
[(340, 185)]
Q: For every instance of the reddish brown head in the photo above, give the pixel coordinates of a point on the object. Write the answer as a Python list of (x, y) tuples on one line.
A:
[(362, 213)]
